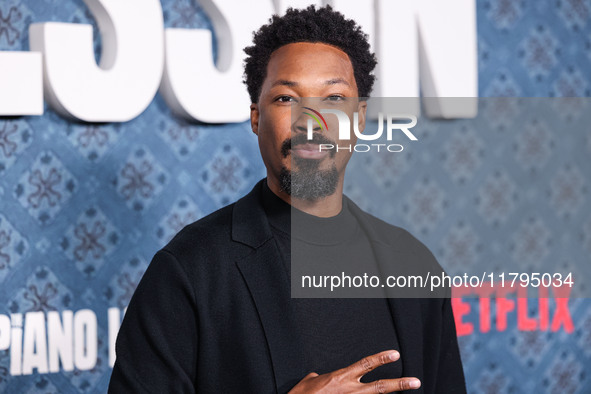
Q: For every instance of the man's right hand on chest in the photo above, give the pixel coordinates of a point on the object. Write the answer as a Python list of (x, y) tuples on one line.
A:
[(348, 379)]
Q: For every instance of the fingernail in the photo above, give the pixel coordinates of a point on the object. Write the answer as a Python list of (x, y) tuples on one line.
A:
[(394, 355), (414, 384)]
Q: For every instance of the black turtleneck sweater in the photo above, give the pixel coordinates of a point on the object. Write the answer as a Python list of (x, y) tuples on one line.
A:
[(336, 332)]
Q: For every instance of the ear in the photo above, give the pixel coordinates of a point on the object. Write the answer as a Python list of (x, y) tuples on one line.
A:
[(361, 110), (254, 118)]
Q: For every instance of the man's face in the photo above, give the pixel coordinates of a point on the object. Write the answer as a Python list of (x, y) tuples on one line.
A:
[(302, 75)]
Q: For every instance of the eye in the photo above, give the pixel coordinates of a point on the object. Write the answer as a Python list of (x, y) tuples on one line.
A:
[(285, 99), (335, 98)]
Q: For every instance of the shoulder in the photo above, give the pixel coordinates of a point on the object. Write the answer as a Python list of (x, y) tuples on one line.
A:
[(386, 233), (400, 245), (212, 229), (220, 235)]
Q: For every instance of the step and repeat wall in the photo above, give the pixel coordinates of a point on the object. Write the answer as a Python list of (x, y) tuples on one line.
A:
[(84, 206)]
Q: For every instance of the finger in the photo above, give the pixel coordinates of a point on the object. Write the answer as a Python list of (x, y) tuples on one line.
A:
[(384, 386), (370, 363), (311, 375)]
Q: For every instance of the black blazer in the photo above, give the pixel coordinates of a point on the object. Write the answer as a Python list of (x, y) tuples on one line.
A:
[(211, 313)]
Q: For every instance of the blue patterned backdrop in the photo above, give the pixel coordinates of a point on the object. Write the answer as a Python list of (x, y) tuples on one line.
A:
[(85, 206)]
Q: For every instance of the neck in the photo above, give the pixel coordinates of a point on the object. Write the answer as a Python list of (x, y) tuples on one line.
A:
[(324, 207)]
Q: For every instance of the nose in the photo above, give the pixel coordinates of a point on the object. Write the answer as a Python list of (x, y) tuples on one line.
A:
[(300, 124), (304, 128)]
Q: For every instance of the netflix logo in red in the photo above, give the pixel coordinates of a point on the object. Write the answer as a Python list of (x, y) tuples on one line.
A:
[(489, 308)]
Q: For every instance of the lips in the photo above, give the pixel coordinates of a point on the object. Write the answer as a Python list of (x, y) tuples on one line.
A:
[(309, 147), (300, 146), (309, 151)]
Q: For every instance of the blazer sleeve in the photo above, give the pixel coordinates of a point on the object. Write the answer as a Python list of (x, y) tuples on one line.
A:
[(450, 373), (156, 346)]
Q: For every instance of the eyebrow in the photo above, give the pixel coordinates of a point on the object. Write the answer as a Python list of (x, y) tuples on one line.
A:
[(333, 81), (336, 81)]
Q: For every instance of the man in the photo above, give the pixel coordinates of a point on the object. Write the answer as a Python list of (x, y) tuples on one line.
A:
[(213, 312)]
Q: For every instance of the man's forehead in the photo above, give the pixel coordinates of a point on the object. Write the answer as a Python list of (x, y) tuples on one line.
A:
[(302, 56), (295, 83), (305, 63)]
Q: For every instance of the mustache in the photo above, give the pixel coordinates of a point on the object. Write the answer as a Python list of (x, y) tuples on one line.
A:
[(301, 139)]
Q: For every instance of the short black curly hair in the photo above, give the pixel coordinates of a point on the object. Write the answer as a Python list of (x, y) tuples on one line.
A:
[(322, 25)]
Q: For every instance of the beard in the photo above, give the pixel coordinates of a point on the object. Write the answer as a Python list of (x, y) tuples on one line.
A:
[(308, 182)]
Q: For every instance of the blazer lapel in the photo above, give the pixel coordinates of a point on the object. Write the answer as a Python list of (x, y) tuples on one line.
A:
[(406, 312), (267, 281)]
